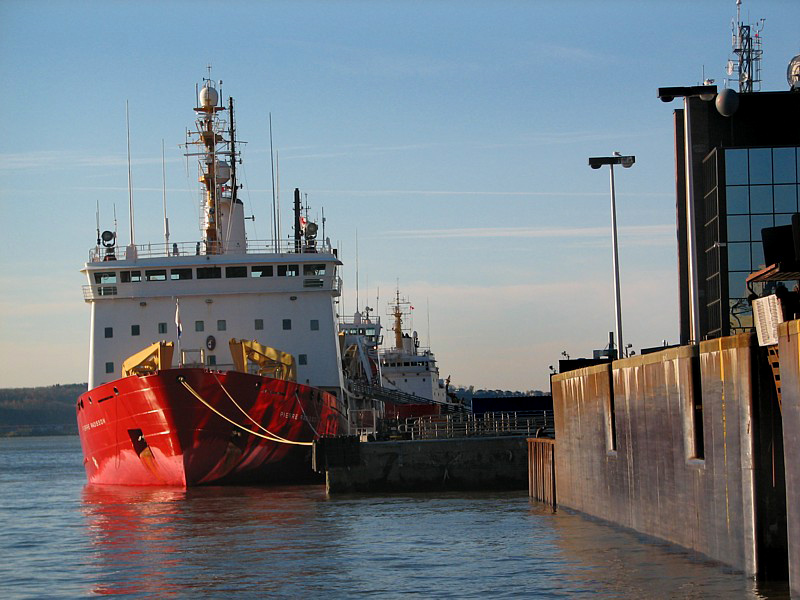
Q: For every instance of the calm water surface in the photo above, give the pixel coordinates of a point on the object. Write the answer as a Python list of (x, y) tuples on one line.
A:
[(64, 539)]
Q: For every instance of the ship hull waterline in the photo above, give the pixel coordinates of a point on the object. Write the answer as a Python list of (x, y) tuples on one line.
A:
[(192, 426)]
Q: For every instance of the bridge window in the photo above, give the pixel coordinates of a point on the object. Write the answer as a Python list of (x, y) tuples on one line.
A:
[(313, 270), (221, 325), (261, 271), (209, 272), (302, 359), (109, 332), (287, 324), (288, 270), (109, 367), (180, 274), (199, 326), (259, 324), (131, 276), (162, 328), (235, 271), (314, 324), (105, 278), (134, 330), (156, 275), (212, 360)]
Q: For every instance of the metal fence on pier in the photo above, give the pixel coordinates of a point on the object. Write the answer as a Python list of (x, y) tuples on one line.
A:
[(535, 423)]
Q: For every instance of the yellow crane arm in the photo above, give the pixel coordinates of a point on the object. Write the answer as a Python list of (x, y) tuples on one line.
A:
[(270, 362), (153, 358)]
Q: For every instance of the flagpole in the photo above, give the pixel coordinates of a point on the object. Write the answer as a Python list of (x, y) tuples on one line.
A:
[(179, 329)]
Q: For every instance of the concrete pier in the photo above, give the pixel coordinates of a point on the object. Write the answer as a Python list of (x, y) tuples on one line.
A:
[(687, 445), (479, 463)]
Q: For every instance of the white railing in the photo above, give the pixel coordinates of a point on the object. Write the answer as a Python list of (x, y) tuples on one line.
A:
[(101, 254)]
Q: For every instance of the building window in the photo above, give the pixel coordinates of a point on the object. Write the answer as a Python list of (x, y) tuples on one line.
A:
[(176, 274), (162, 328), (259, 324), (109, 332), (235, 271), (314, 324), (261, 271), (199, 326), (287, 324), (134, 330), (302, 359), (209, 272), (221, 325), (109, 367)]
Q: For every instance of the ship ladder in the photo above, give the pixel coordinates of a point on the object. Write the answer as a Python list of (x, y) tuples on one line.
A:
[(271, 437), (774, 363)]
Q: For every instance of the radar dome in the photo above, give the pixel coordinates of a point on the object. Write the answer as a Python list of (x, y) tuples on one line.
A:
[(208, 97), (727, 102), (793, 73)]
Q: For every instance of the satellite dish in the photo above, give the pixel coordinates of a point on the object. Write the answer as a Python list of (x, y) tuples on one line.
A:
[(793, 73)]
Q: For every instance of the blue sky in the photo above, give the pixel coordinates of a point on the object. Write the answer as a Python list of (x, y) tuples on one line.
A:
[(450, 138)]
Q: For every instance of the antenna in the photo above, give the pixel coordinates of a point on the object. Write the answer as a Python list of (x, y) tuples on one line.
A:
[(130, 185), (274, 202), (278, 195), (164, 195), (747, 51), (357, 298)]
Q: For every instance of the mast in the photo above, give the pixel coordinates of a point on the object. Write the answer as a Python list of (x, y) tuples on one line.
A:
[(398, 322), (298, 244), (234, 185)]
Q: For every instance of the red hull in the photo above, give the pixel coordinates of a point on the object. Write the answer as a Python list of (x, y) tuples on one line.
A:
[(152, 430)]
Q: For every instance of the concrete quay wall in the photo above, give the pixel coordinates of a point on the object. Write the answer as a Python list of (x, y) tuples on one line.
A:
[(789, 352), (479, 463), (629, 449)]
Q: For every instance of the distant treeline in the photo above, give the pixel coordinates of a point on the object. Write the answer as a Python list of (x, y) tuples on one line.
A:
[(39, 411)]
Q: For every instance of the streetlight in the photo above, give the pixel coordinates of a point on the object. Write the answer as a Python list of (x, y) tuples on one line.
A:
[(627, 162), (668, 94)]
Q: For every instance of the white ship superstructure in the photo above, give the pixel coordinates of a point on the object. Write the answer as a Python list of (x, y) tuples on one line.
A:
[(219, 287), (407, 367)]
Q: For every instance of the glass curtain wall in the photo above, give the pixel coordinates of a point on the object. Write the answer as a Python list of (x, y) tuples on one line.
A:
[(761, 190)]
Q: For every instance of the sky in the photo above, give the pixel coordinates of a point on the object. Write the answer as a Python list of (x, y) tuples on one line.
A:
[(446, 143)]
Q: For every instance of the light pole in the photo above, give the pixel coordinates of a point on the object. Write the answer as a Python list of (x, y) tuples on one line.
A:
[(596, 163), (668, 94)]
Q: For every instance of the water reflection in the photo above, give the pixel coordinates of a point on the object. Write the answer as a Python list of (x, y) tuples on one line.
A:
[(623, 563), (165, 540), (295, 542)]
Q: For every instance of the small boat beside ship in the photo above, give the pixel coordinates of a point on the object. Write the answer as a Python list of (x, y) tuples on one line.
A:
[(181, 390)]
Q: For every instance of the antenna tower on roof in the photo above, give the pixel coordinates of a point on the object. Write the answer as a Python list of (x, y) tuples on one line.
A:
[(747, 52)]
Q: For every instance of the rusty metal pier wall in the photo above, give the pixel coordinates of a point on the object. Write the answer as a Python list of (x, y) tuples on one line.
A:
[(635, 449)]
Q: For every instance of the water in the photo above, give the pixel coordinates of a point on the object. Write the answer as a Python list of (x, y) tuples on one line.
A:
[(62, 538)]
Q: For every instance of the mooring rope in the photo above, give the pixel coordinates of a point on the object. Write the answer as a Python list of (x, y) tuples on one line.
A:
[(271, 437), (246, 414)]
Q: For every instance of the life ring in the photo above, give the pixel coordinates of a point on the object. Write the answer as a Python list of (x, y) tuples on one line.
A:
[(211, 343)]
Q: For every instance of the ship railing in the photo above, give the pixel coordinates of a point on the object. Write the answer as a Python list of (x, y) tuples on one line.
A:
[(202, 248), (537, 423)]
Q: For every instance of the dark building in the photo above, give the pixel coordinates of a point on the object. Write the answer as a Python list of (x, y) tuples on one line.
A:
[(746, 177)]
